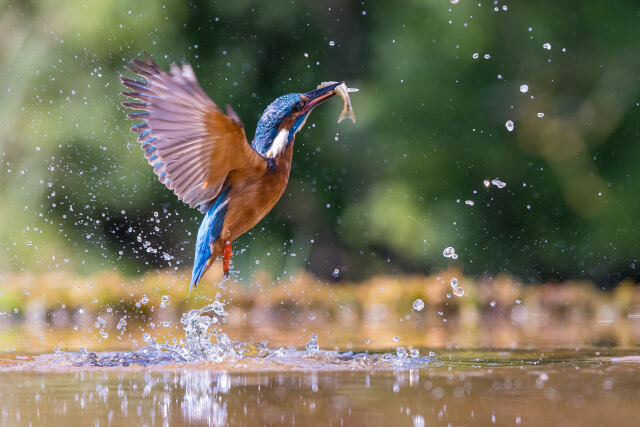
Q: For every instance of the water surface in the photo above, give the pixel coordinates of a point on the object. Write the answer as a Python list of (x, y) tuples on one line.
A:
[(471, 387)]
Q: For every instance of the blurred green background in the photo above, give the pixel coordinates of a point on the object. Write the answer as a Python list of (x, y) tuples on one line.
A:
[(437, 83)]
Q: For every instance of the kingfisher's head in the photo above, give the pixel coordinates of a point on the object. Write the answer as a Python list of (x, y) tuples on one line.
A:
[(284, 117)]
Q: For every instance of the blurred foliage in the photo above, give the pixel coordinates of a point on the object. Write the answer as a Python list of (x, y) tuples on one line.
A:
[(383, 196), (109, 311)]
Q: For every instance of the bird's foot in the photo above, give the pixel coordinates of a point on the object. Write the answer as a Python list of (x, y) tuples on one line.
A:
[(226, 258)]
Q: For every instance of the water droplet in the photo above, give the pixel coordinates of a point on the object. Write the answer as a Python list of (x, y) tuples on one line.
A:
[(547, 46), (454, 1), (144, 299), (448, 252), (486, 183), (454, 256), (431, 354), (469, 202), (336, 273), (165, 298), (475, 55), (458, 291), (401, 352), (418, 305), (312, 346), (396, 339), (414, 352), (541, 115), (453, 282), (121, 323), (498, 183), (332, 43), (487, 56), (509, 125), (524, 88), (492, 304)]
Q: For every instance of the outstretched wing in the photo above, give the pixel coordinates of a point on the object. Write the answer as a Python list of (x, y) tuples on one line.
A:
[(191, 144)]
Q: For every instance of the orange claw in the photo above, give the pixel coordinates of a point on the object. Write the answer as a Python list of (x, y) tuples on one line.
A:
[(226, 258)]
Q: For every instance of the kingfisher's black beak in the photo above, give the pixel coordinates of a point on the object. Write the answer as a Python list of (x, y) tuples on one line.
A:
[(318, 96)]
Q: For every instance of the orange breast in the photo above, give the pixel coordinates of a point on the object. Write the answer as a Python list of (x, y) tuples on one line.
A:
[(252, 199)]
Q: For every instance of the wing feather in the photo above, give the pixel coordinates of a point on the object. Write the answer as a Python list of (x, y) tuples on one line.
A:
[(191, 144)]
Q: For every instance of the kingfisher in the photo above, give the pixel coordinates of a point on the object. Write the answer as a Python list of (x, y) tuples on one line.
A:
[(204, 157)]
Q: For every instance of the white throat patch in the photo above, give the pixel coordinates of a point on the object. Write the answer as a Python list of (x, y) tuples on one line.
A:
[(279, 144)]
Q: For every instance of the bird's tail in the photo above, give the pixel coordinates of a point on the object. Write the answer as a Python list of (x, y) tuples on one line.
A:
[(208, 233), (199, 266)]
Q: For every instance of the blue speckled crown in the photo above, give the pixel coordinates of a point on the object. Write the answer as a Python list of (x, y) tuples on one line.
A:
[(267, 127)]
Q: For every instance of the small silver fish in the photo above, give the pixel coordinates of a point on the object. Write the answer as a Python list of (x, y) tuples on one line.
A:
[(343, 92)]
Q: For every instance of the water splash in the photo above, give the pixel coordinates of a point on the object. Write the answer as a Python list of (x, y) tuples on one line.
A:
[(204, 342), (198, 345)]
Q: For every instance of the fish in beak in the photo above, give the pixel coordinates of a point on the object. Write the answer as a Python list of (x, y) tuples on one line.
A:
[(325, 91)]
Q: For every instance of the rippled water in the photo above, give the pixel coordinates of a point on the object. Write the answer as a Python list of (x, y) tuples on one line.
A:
[(555, 387)]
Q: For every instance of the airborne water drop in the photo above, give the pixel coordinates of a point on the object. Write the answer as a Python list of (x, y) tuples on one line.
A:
[(509, 125)]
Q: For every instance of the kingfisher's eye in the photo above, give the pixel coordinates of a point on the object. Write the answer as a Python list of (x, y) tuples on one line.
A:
[(298, 106)]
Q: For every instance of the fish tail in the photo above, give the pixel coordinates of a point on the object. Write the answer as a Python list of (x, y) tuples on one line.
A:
[(347, 114)]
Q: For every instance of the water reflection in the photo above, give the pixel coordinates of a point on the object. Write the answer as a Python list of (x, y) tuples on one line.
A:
[(200, 402), (459, 388)]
